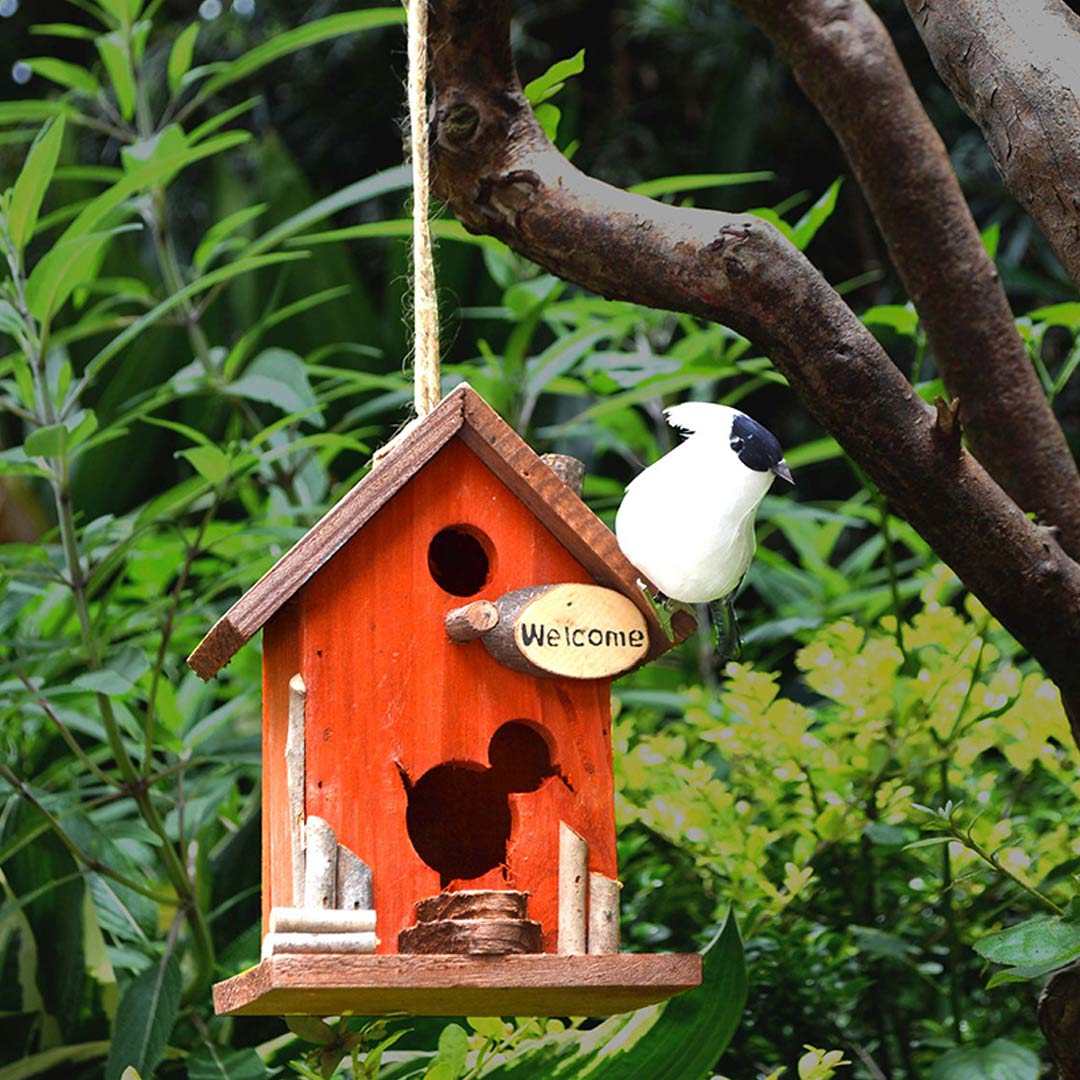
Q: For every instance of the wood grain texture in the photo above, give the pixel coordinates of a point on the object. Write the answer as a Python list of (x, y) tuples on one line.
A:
[(294, 770), (538, 985), (472, 937), (322, 941), (603, 914), (573, 891), (474, 904), (283, 644), (387, 692), (471, 621), (290, 920), (568, 631), (573, 524)]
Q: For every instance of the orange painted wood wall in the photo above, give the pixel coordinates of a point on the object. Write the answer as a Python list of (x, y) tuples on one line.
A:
[(385, 686)]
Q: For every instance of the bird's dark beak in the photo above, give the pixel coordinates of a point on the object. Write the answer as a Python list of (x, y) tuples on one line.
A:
[(781, 469)]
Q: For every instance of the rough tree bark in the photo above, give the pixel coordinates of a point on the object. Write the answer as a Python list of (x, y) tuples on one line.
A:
[(846, 63), (502, 176), (1014, 67)]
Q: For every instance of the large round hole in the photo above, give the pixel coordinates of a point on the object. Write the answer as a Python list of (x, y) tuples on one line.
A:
[(458, 560)]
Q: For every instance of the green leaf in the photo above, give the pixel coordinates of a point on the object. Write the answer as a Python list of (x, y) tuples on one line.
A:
[(807, 226), (680, 1039), (149, 174), (34, 179), (552, 81), (999, 1060), (69, 264), (671, 185), (105, 681), (180, 57), (170, 142), (63, 30), (209, 462), (121, 912), (453, 1049), (1067, 315), (18, 112), (277, 377), (491, 1027), (130, 1074), (117, 59), (46, 441), (311, 33), (144, 1019), (218, 233), (1045, 939), (70, 75), (311, 1029), (900, 317), (548, 117), (991, 237), (216, 1063), (126, 11), (55, 1058)]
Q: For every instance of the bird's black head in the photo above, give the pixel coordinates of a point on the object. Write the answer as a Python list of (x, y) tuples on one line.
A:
[(756, 447)]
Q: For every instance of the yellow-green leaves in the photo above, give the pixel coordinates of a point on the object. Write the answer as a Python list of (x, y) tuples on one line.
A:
[(33, 181), (180, 58), (70, 76), (116, 55)]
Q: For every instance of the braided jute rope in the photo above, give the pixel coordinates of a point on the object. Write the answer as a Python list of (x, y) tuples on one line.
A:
[(426, 381)]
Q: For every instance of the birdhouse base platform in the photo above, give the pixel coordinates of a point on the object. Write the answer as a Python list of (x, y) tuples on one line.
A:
[(331, 984)]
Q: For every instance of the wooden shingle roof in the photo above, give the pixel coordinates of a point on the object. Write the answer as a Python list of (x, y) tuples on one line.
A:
[(463, 414)]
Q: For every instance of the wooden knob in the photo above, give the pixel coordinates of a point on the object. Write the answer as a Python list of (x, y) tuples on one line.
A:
[(568, 469), (471, 621)]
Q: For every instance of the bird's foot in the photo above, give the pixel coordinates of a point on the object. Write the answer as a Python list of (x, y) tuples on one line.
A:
[(665, 609)]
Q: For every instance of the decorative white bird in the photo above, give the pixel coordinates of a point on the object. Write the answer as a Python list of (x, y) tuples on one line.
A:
[(687, 521)]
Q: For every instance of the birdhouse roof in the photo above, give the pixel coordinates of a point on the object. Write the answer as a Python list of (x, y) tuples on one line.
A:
[(464, 414)]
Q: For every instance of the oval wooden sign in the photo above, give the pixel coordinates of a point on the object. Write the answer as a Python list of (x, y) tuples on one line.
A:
[(581, 632)]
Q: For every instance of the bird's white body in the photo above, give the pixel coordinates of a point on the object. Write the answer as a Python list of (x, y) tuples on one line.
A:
[(687, 521)]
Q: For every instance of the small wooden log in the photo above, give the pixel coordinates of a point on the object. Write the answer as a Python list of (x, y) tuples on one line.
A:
[(573, 892), (471, 621), (320, 921), (320, 871), (573, 631), (353, 881), (473, 904), (472, 937), (295, 773), (603, 914), (570, 470), (276, 943)]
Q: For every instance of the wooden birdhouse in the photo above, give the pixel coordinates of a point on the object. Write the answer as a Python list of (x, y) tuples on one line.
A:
[(438, 818)]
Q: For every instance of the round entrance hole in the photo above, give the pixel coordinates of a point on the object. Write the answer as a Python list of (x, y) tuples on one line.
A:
[(459, 560)]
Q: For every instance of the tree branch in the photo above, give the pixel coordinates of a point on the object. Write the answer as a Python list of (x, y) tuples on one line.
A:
[(502, 176), (1014, 67), (846, 63)]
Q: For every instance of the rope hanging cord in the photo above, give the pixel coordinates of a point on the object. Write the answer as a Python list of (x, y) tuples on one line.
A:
[(426, 382)]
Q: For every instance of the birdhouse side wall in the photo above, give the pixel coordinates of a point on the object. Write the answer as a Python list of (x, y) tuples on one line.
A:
[(282, 659), (390, 698)]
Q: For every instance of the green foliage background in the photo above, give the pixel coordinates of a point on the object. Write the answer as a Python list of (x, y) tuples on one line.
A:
[(200, 345)]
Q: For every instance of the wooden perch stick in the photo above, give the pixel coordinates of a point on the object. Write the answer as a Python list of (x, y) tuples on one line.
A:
[(573, 891), (295, 772), (276, 943), (354, 891), (320, 874), (471, 621), (603, 914), (320, 921)]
